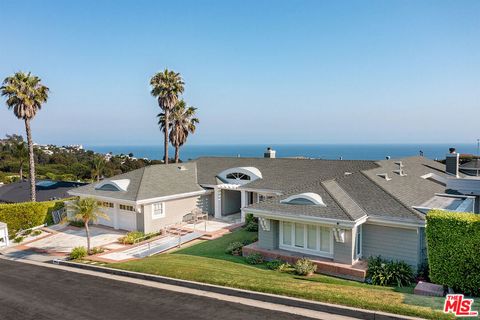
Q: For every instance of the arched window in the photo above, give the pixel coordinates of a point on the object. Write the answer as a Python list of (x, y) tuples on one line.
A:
[(307, 198), (238, 176), (108, 187)]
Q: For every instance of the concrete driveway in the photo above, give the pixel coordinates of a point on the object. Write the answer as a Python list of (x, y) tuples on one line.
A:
[(67, 239)]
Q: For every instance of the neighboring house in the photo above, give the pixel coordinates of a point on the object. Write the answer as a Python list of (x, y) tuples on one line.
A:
[(46, 190), (336, 210)]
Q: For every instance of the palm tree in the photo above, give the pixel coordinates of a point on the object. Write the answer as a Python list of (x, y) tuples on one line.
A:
[(86, 210), (25, 95), (20, 152), (182, 121), (98, 166), (166, 87)]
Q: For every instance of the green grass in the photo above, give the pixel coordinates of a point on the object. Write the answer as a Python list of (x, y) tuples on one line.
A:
[(207, 262)]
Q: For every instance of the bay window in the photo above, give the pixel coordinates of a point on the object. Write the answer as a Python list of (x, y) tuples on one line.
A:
[(306, 238)]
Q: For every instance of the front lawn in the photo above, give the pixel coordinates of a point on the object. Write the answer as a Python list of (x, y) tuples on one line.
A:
[(207, 262)]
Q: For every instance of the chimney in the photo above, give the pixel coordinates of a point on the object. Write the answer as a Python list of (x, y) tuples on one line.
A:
[(452, 162), (270, 153)]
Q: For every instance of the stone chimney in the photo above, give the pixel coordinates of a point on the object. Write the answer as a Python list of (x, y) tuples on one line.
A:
[(270, 153), (452, 162)]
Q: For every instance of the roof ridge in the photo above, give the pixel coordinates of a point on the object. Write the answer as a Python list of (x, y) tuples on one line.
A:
[(335, 199), (140, 182), (391, 195)]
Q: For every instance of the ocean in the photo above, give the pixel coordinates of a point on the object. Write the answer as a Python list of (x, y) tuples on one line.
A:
[(326, 151)]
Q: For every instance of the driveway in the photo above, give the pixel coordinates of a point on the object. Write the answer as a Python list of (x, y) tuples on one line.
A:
[(67, 239)]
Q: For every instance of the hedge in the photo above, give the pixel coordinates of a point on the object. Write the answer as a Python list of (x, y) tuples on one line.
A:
[(21, 216), (453, 243)]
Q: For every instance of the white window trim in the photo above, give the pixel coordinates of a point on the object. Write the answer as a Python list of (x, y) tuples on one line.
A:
[(305, 250), (358, 242), (158, 216)]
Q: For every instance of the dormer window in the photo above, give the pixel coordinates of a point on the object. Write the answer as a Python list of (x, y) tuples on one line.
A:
[(238, 176), (108, 187), (308, 198), (113, 185)]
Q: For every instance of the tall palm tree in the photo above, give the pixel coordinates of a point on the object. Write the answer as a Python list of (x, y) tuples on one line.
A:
[(183, 122), (86, 210), (166, 87), (20, 152), (98, 166), (25, 95)]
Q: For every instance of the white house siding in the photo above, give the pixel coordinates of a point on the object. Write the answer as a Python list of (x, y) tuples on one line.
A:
[(174, 212), (391, 243)]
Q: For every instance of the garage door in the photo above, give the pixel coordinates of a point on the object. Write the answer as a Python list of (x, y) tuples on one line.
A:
[(127, 220), (110, 221)]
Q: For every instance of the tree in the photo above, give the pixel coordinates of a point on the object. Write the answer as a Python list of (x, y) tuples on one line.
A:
[(166, 87), (25, 95), (182, 123), (87, 210), (98, 167), (20, 152)]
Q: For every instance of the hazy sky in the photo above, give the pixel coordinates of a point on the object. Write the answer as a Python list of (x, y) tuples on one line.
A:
[(258, 71)]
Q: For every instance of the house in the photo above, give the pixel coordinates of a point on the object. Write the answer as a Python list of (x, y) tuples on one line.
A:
[(45, 189), (337, 211)]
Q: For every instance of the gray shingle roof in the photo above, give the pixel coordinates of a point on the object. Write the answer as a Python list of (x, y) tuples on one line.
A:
[(151, 182)]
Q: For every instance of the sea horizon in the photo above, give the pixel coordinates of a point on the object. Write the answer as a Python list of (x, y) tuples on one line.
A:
[(346, 151)]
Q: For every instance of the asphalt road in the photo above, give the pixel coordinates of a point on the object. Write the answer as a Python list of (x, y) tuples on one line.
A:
[(34, 292)]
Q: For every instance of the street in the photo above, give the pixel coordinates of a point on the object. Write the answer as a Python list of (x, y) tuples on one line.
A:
[(34, 292)]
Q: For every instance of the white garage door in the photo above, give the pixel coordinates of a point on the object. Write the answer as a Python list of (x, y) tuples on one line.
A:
[(110, 221), (127, 220)]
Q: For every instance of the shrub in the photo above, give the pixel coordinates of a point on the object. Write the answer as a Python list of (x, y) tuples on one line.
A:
[(453, 254), (285, 267), (254, 258), (77, 223), (78, 253), (36, 233), (234, 248), (25, 215), (385, 272), (131, 237), (274, 264), (97, 250), (251, 223), (304, 267), (18, 239)]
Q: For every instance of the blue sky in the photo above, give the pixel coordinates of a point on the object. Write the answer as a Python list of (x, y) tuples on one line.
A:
[(258, 71)]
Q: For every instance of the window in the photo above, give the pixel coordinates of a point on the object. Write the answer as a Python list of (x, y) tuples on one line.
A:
[(310, 239), (105, 204), (108, 187), (126, 208), (358, 243), (238, 176), (158, 210)]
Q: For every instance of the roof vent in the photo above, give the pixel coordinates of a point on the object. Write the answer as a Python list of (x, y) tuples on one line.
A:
[(400, 171), (269, 153), (384, 176), (347, 173), (182, 168)]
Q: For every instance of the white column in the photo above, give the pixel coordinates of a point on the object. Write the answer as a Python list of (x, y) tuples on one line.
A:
[(116, 207), (217, 200), (243, 204)]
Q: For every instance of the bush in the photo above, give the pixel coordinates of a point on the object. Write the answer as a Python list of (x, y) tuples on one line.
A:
[(36, 233), (18, 239), (285, 267), (234, 248), (131, 237), (305, 267), (453, 252), (389, 273), (254, 258), (77, 223), (97, 250), (25, 215), (251, 223), (78, 253), (274, 264)]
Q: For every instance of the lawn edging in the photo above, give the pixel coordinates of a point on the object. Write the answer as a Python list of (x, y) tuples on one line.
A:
[(264, 297)]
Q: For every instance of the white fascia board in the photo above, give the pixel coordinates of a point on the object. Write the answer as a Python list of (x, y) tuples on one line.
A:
[(395, 223), (277, 192), (306, 219), (109, 199), (174, 196)]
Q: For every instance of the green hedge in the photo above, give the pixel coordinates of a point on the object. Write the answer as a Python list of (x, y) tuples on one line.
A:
[(20, 216), (453, 241)]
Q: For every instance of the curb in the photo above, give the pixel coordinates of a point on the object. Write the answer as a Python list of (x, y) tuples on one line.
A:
[(264, 297)]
